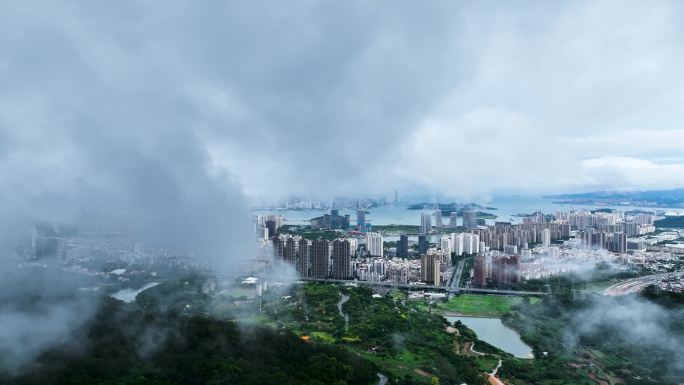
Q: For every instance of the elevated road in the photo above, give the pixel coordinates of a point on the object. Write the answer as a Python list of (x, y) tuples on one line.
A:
[(448, 289), (635, 285), (456, 276)]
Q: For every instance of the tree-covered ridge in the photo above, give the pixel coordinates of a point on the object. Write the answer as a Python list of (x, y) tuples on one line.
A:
[(575, 336), (121, 346)]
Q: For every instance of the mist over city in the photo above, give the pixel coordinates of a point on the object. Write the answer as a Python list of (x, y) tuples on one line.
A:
[(347, 193)]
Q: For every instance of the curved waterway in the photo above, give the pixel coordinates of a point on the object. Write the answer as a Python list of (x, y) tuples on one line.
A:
[(344, 299), (494, 332), (128, 295)]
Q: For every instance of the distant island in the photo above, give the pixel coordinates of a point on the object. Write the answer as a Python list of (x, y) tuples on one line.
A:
[(448, 208), (656, 198)]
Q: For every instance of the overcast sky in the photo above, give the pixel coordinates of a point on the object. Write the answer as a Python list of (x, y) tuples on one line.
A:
[(325, 98)]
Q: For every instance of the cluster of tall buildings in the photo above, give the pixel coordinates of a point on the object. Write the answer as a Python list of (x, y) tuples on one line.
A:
[(267, 225), (470, 221), (461, 243), (320, 258), (332, 221), (523, 235), (598, 229), (499, 249), (501, 269), (610, 230), (430, 268)]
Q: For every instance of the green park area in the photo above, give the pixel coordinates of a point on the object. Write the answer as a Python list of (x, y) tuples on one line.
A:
[(480, 305)]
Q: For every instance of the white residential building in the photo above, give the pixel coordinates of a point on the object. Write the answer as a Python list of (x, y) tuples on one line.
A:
[(374, 244), (425, 223)]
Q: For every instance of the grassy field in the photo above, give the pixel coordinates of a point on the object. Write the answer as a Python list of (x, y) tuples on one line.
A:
[(598, 287), (403, 365), (481, 305)]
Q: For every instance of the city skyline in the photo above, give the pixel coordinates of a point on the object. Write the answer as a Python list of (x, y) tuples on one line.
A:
[(341, 192)]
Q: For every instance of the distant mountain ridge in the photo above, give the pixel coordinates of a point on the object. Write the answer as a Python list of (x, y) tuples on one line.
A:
[(660, 197)]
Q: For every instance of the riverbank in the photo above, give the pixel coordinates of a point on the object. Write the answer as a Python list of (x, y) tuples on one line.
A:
[(129, 295)]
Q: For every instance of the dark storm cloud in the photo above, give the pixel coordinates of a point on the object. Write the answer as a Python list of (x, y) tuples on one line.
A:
[(318, 89), (326, 98)]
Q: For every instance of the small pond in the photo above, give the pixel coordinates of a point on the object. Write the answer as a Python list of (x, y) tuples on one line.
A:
[(128, 295), (494, 332)]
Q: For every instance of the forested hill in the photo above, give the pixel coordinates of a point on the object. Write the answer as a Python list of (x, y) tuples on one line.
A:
[(125, 347)]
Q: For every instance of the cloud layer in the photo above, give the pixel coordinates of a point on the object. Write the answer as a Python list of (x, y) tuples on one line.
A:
[(320, 99), (473, 99)]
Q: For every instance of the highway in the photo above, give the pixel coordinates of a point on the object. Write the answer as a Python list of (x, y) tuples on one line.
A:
[(456, 276), (454, 289), (635, 285)]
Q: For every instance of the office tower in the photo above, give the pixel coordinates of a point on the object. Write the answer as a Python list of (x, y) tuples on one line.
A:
[(457, 243), (331, 221), (271, 228), (425, 223), (262, 233), (279, 246), (430, 269), (470, 219), (290, 249), (480, 275), (452, 220), (618, 243), (320, 258), (506, 269), (631, 228), (546, 237), (399, 274), (446, 245), (361, 220), (598, 240), (553, 252), (510, 249), (402, 246), (396, 197), (644, 219), (539, 217), (341, 258), (353, 245), (303, 257), (438, 219), (374, 244), (379, 268), (423, 244), (565, 230), (471, 243), (47, 247)]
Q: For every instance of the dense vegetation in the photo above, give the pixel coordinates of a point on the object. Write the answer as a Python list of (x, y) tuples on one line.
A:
[(580, 343), (175, 334), (404, 229), (671, 222), (410, 346), (309, 233), (124, 346)]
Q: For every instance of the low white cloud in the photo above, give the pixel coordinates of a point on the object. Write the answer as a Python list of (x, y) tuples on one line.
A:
[(623, 173)]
